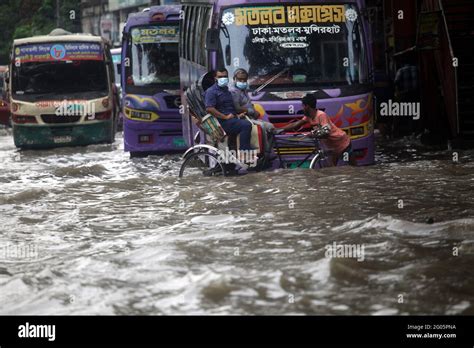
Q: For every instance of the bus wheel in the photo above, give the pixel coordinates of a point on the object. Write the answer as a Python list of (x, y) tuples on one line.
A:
[(203, 163)]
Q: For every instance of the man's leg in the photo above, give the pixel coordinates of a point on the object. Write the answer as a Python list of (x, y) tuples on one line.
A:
[(235, 126), (267, 134), (347, 156), (266, 126), (245, 134), (334, 159)]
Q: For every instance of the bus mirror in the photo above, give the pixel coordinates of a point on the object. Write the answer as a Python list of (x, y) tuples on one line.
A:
[(212, 39)]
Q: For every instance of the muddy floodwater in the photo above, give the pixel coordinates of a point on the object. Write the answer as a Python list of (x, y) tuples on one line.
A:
[(90, 231)]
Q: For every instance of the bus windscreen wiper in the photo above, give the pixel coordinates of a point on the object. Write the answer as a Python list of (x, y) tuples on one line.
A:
[(270, 80)]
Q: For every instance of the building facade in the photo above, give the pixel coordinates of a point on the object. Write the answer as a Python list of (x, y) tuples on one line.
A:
[(107, 17), (438, 37)]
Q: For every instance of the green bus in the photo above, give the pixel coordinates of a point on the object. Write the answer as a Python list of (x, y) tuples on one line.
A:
[(62, 91)]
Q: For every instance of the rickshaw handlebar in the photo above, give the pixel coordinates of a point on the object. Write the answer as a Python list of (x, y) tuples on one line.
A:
[(318, 132)]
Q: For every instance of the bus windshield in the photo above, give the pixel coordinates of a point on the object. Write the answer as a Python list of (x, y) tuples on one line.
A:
[(295, 45), (59, 68), (154, 56)]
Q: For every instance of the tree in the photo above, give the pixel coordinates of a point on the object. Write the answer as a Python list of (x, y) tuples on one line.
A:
[(9, 16), (25, 18)]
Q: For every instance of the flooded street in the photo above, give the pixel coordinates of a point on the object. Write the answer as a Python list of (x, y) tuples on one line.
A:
[(90, 231)]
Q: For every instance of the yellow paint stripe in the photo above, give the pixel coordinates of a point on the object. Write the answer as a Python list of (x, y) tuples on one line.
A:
[(139, 99)]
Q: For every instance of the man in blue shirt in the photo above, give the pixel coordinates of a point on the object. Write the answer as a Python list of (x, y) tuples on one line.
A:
[(220, 104)]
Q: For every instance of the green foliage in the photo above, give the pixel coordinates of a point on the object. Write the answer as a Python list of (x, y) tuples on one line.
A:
[(8, 20), (25, 18)]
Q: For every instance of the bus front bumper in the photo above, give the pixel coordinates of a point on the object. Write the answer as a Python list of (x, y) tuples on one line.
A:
[(159, 137), (50, 136)]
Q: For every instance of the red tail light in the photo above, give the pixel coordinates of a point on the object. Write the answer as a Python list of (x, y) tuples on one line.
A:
[(22, 119)]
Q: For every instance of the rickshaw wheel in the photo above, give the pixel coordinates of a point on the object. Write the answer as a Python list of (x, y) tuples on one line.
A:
[(318, 161), (202, 162)]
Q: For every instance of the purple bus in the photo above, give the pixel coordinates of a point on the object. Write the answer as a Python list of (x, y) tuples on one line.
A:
[(289, 48), (150, 82)]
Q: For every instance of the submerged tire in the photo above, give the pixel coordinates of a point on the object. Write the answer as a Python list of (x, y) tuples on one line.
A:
[(318, 162), (204, 163)]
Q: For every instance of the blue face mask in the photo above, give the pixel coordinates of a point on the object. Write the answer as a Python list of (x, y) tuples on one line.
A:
[(241, 85), (223, 81)]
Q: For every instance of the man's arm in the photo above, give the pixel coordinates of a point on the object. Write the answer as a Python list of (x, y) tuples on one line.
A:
[(216, 113), (322, 126), (247, 106), (294, 125), (236, 99), (250, 110)]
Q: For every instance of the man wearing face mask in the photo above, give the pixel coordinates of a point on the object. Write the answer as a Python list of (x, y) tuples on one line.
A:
[(335, 139), (220, 104), (244, 105), (242, 101)]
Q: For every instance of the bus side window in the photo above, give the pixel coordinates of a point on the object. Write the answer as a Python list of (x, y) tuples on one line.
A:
[(182, 30), (189, 33), (202, 40), (184, 43), (197, 22)]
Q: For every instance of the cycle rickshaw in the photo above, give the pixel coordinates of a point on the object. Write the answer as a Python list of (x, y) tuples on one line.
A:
[(214, 154)]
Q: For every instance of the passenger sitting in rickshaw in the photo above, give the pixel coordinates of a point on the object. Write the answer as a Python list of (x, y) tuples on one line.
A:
[(244, 105), (219, 103), (335, 139)]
